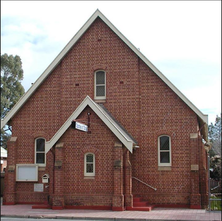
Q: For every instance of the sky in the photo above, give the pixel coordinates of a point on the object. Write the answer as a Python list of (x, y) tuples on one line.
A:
[(181, 38)]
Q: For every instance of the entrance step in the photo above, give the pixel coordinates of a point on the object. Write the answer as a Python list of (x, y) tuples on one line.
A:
[(140, 205), (145, 208), (44, 205), (137, 199)]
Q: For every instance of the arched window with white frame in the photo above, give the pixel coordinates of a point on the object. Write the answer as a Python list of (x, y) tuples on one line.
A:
[(100, 85), (40, 156), (89, 164), (164, 151)]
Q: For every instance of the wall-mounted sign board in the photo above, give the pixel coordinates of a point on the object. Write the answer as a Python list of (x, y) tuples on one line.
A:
[(38, 187), (79, 126), (26, 172)]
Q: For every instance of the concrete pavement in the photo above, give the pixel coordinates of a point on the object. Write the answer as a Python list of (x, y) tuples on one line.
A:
[(155, 214)]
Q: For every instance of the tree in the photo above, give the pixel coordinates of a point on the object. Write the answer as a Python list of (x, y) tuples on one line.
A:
[(11, 88), (215, 164), (214, 135)]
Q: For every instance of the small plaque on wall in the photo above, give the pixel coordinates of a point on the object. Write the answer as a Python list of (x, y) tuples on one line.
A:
[(11, 168), (194, 167), (38, 187)]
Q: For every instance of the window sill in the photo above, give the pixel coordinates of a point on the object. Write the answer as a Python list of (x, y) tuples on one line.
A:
[(100, 100), (41, 168), (89, 177), (164, 168)]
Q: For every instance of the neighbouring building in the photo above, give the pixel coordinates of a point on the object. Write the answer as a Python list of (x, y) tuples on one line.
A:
[(103, 128), (3, 159)]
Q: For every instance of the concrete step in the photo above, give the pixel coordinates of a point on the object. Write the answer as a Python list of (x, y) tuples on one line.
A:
[(137, 199), (144, 208), (140, 204)]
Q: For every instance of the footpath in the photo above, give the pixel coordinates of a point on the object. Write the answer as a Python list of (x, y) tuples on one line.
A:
[(26, 211)]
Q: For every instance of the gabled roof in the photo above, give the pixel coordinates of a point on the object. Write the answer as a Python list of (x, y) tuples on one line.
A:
[(72, 42), (127, 140)]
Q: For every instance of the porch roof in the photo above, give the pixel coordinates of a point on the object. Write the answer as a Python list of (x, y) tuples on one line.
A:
[(120, 132)]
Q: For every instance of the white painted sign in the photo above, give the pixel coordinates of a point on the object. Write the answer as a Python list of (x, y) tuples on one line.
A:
[(38, 187), (26, 172), (81, 127)]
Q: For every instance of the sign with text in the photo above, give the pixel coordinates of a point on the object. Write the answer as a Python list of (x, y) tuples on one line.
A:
[(38, 187), (80, 126)]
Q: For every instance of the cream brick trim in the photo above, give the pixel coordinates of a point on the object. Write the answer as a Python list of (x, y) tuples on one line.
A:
[(193, 135), (13, 139), (164, 168)]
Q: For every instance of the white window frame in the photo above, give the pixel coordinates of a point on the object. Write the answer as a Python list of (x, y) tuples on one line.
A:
[(95, 85), (85, 165), (159, 151), (40, 164)]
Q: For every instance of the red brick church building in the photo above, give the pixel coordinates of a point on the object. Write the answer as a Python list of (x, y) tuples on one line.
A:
[(103, 128)]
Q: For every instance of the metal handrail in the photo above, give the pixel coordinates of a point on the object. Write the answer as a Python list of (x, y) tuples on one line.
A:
[(144, 183), (215, 187)]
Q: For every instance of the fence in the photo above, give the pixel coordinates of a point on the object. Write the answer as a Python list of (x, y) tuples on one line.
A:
[(215, 195)]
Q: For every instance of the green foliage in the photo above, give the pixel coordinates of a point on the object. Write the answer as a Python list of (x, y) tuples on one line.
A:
[(11, 87), (214, 134), (215, 164), (215, 203)]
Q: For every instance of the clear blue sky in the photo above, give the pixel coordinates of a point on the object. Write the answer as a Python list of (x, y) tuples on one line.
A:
[(181, 38)]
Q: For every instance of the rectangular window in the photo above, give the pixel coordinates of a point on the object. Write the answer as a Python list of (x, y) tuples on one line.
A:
[(164, 151), (40, 151), (100, 85), (89, 164)]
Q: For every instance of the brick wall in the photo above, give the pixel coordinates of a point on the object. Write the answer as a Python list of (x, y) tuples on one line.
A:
[(136, 97)]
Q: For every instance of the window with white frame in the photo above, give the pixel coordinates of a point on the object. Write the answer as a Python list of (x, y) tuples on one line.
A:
[(164, 150), (100, 85), (40, 156), (89, 164)]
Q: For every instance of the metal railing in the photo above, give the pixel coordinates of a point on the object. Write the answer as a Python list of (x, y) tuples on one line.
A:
[(145, 183)]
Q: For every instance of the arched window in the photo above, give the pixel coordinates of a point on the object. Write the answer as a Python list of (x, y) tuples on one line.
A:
[(40, 157), (100, 85), (89, 164), (164, 151)]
